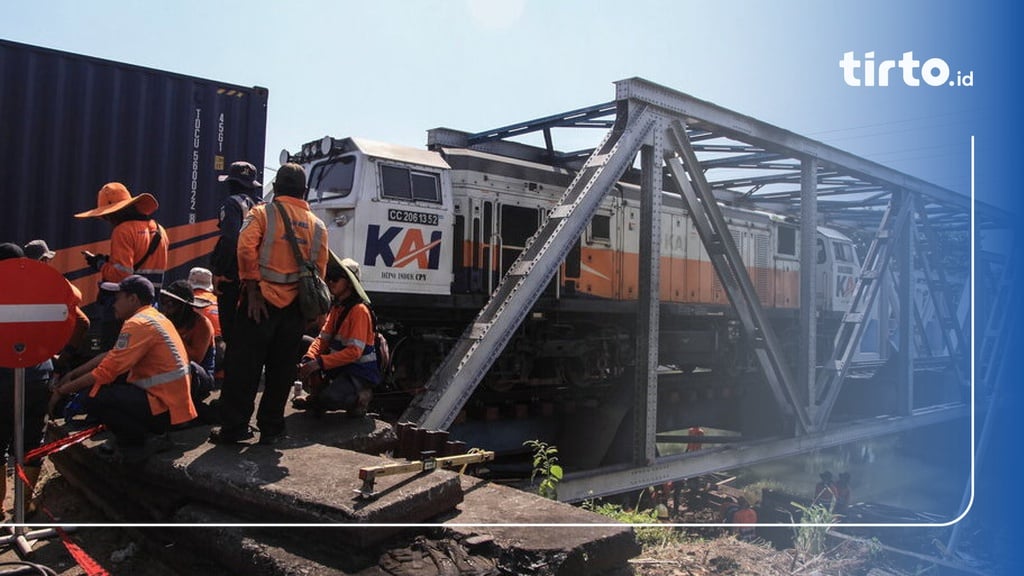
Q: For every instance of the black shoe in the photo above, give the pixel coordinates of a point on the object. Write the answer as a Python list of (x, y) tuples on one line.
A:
[(230, 436), (271, 437), (133, 454), (159, 443)]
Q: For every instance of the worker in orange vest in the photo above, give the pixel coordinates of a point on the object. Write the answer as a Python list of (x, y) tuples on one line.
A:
[(745, 517), (825, 491), (152, 354), (268, 331), (138, 245), (201, 281), (695, 446)]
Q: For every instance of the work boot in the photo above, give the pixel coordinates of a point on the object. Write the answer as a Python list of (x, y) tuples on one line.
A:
[(224, 435), (271, 436)]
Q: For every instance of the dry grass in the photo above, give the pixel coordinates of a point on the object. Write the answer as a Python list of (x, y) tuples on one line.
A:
[(726, 556)]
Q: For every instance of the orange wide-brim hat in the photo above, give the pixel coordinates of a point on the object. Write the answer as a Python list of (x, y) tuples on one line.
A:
[(114, 196)]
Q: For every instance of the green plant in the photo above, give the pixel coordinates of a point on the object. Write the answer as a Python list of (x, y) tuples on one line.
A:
[(753, 491), (646, 536), (545, 465), (810, 540)]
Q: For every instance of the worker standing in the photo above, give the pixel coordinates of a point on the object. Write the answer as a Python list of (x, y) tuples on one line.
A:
[(157, 394), (138, 245), (268, 330), (825, 491), (244, 192), (694, 432)]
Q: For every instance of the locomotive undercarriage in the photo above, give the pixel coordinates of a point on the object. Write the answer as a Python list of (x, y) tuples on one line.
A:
[(563, 349)]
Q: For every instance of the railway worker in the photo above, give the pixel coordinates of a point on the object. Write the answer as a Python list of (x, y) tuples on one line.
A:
[(184, 310), (201, 282), (745, 516), (196, 331), (138, 246), (75, 351), (825, 491), (156, 393), (244, 192), (344, 352), (36, 380), (268, 332), (694, 432), (39, 250)]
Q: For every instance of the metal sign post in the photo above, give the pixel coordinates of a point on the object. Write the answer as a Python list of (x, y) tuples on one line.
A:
[(36, 320)]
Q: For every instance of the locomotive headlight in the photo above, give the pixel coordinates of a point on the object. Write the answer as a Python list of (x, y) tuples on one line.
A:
[(283, 157), (326, 145), (340, 220)]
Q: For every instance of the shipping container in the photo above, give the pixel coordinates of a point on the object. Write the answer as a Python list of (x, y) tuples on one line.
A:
[(71, 123)]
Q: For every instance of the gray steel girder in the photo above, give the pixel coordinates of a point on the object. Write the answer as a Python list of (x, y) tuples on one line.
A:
[(450, 387), (603, 482), (722, 252)]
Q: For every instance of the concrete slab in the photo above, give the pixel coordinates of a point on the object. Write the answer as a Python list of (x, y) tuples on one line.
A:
[(549, 545), (303, 479)]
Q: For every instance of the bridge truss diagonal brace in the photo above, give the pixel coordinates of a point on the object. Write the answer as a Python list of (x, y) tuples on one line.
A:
[(451, 385), (895, 222), (718, 242), (942, 301)]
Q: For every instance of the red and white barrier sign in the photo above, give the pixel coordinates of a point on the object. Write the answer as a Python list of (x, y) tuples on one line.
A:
[(36, 312)]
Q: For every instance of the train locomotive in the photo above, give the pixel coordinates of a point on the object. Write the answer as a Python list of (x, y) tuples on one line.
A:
[(434, 230)]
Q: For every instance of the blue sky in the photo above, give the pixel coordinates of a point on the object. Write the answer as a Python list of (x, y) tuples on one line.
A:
[(390, 70)]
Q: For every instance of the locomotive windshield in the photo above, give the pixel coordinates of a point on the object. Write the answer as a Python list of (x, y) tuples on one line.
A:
[(332, 179)]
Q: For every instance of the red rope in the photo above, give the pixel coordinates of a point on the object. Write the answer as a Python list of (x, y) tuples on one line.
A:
[(62, 443), (81, 557)]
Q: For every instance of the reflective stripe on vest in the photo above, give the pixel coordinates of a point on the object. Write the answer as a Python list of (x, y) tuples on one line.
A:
[(164, 377), (267, 248), (369, 351)]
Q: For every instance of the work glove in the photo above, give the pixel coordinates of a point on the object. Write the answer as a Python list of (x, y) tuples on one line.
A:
[(96, 261)]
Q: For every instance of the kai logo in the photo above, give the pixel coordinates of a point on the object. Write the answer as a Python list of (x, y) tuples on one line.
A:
[(413, 247)]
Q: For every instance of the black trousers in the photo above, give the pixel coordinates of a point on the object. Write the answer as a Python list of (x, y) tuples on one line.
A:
[(227, 307), (124, 410), (274, 345)]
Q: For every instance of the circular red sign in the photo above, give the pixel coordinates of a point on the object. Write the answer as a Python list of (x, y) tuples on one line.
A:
[(37, 312)]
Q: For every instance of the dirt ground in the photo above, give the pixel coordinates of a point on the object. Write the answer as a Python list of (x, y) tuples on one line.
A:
[(118, 550), (131, 551)]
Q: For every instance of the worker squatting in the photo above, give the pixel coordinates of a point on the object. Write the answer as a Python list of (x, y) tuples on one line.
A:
[(165, 347)]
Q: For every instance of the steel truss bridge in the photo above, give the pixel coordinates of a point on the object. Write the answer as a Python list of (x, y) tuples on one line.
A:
[(683, 143)]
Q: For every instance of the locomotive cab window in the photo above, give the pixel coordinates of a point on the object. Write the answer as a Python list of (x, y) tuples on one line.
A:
[(332, 179), (822, 255), (601, 229), (405, 184), (844, 252), (786, 241)]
